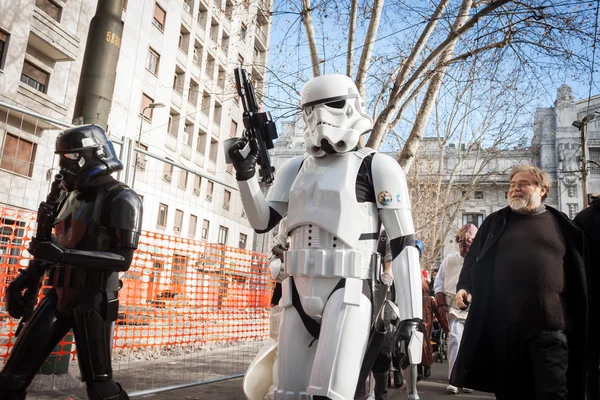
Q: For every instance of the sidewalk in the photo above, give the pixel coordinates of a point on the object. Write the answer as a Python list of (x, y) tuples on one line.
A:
[(432, 388)]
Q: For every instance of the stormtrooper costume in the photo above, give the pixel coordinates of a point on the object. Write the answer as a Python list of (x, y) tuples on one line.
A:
[(335, 197)]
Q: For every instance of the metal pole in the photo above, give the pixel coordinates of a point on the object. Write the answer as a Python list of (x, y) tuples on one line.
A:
[(584, 172), (139, 141), (99, 69), (182, 386)]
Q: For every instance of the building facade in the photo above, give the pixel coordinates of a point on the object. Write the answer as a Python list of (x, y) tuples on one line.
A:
[(178, 56)]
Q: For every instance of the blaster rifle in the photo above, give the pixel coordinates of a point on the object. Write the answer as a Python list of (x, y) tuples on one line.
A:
[(45, 221), (258, 126)]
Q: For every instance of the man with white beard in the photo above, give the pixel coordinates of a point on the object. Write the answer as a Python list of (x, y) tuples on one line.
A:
[(524, 277)]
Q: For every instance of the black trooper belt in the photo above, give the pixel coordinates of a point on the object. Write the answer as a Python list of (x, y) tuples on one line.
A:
[(83, 278), (313, 327)]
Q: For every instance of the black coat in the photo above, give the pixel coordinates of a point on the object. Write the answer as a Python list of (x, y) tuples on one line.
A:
[(475, 364), (589, 221)]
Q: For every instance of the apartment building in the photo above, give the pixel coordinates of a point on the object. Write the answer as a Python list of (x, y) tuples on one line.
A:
[(174, 91)]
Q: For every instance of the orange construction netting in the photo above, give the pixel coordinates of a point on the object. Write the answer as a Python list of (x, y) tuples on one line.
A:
[(177, 292)]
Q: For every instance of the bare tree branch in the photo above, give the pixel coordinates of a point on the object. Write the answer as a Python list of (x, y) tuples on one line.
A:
[(310, 34), (351, 33), (365, 58)]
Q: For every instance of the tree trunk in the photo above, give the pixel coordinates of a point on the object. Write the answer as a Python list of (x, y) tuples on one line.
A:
[(310, 35), (365, 58), (409, 151), (351, 33)]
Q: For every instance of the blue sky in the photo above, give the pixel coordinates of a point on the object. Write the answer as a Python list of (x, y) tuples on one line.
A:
[(290, 64)]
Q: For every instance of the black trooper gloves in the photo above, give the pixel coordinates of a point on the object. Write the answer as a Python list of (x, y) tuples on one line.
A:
[(244, 155)]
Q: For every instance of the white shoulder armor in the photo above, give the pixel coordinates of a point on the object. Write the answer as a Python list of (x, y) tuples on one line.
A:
[(284, 178), (389, 183)]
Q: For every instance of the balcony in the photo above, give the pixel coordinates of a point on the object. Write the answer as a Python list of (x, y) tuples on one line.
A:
[(215, 129), (181, 57), (261, 37), (49, 37), (199, 159), (170, 142), (195, 69), (190, 110), (211, 166), (186, 16), (185, 151), (176, 99), (203, 120)]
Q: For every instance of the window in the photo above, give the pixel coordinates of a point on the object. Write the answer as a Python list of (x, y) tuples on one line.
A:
[(188, 133), (178, 273), (49, 7), (243, 239), (226, 199), (217, 113), (475, 219), (140, 158), (184, 40), (201, 144), (197, 184), (159, 17), (243, 31), (173, 124), (214, 149), (205, 228), (34, 77), (168, 172), (210, 187), (233, 130), (478, 195), (205, 105), (188, 5), (222, 235), (183, 178), (152, 61), (146, 101), (193, 223), (3, 47), (178, 221), (241, 60), (18, 155), (163, 211), (506, 195)]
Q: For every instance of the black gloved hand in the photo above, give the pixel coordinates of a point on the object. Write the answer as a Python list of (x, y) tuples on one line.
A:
[(245, 167), (22, 292)]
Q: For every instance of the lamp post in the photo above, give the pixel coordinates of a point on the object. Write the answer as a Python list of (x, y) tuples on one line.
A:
[(582, 126), (139, 140)]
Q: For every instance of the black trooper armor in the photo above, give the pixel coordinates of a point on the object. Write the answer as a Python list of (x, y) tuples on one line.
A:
[(96, 232)]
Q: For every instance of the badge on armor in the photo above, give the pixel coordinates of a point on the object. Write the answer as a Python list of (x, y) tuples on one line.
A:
[(385, 198)]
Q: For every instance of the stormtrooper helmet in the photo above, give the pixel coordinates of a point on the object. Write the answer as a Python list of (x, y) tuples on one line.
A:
[(85, 153), (334, 114)]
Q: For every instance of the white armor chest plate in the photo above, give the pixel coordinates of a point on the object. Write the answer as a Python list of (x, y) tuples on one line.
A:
[(325, 222), (324, 194)]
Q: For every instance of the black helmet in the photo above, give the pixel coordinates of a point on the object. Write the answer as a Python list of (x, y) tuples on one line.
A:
[(85, 153)]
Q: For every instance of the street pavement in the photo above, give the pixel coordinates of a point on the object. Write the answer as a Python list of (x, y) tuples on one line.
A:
[(432, 388)]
